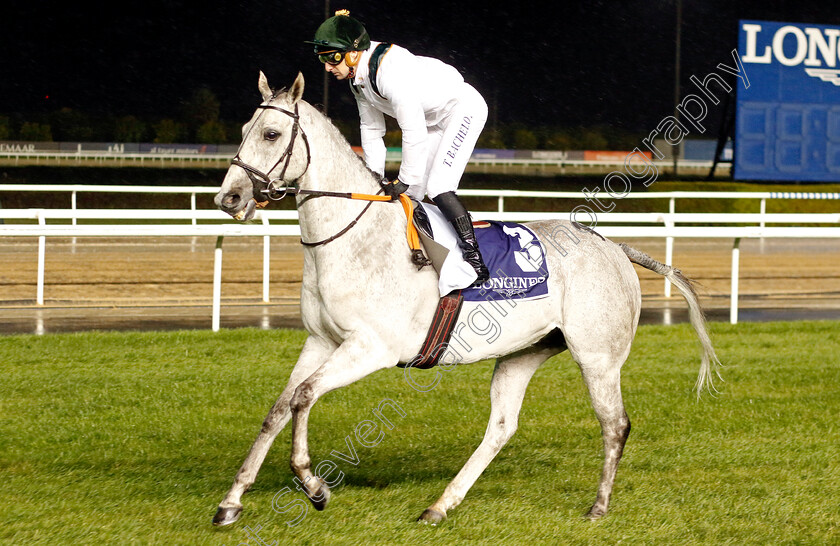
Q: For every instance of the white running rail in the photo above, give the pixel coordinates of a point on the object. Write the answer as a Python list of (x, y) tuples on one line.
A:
[(662, 225)]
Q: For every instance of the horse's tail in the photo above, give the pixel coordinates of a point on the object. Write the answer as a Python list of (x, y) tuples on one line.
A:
[(709, 364)]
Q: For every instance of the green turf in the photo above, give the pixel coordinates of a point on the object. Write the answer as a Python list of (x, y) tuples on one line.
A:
[(133, 438)]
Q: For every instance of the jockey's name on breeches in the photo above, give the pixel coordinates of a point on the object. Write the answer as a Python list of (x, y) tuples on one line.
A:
[(458, 140)]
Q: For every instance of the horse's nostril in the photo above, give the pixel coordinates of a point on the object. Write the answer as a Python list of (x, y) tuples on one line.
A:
[(231, 200)]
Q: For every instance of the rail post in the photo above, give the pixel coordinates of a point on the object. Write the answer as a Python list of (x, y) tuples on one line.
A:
[(762, 211), (266, 260), (669, 243), (217, 284), (733, 302), (42, 254), (73, 221)]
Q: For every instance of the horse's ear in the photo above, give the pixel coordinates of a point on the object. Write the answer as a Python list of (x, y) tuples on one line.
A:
[(296, 92), (265, 90)]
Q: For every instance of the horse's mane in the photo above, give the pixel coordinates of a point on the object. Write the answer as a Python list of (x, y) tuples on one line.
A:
[(342, 143)]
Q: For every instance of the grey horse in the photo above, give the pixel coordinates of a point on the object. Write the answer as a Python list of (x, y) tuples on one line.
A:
[(367, 307)]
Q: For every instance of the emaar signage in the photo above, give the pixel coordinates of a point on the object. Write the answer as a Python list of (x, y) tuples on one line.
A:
[(788, 120)]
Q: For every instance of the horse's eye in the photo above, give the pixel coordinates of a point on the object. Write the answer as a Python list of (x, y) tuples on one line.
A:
[(270, 135)]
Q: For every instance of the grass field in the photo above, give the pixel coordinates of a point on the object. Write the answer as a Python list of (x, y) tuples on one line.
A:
[(133, 438)]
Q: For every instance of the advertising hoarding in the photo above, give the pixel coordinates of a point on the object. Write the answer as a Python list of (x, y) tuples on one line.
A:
[(788, 119)]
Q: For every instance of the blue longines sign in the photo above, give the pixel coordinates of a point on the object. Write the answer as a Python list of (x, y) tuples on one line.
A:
[(788, 120)]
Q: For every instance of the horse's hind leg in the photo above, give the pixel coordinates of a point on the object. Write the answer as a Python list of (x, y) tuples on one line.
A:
[(507, 390), (602, 375), (313, 355)]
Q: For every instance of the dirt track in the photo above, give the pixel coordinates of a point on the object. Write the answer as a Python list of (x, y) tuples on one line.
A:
[(167, 271)]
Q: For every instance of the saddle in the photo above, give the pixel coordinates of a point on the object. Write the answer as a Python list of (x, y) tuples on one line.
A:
[(512, 252), (449, 306)]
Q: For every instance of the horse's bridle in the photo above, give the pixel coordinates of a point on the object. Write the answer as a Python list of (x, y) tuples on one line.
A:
[(264, 185), (262, 182)]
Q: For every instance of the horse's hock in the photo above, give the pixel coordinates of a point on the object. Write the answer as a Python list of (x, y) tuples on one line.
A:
[(172, 271)]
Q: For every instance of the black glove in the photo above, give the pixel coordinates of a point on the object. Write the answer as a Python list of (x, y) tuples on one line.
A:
[(394, 189)]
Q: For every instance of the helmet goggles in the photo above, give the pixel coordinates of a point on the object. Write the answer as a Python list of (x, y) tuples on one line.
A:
[(332, 58)]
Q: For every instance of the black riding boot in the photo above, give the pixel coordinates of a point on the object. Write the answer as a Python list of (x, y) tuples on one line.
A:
[(457, 214)]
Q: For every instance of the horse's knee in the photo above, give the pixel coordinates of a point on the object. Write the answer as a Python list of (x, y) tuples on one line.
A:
[(302, 397), (501, 432), (625, 429), (621, 428), (276, 419), (615, 434)]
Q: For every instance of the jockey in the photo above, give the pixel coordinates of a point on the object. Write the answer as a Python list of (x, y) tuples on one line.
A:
[(440, 116)]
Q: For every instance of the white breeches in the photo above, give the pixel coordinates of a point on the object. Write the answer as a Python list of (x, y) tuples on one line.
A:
[(450, 144)]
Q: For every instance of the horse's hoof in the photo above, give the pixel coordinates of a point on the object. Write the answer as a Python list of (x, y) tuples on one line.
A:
[(595, 514), (432, 517), (321, 497), (226, 516)]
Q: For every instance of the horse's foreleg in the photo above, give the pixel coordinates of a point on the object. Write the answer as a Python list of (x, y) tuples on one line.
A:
[(354, 359), (603, 381), (507, 390), (314, 353)]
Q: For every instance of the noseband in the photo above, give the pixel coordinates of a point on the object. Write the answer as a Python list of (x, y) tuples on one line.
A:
[(262, 182)]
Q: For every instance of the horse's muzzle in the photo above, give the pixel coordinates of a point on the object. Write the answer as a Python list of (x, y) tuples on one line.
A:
[(231, 203), (247, 212)]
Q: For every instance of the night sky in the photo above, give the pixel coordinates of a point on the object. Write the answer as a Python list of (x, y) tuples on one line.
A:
[(563, 63)]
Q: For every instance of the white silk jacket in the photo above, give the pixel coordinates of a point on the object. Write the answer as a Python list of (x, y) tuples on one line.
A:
[(418, 92)]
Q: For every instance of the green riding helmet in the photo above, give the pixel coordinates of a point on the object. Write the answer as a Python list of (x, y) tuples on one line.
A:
[(340, 33)]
